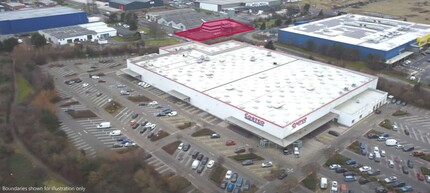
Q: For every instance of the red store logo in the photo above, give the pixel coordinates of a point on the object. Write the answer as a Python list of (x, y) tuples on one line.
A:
[(254, 119), (299, 122)]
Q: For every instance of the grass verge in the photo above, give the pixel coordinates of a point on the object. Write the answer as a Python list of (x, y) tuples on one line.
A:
[(336, 159), (171, 147), (203, 132), (160, 135), (181, 183), (242, 157), (217, 174), (21, 168), (161, 42), (426, 157), (138, 98), (310, 182), (112, 107), (425, 171), (82, 114), (24, 88), (355, 147), (386, 124), (400, 113), (372, 132)]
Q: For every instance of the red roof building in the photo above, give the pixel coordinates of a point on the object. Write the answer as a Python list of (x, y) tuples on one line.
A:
[(215, 29)]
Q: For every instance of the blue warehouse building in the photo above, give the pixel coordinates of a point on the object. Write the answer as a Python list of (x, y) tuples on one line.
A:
[(392, 40), (31, 20)]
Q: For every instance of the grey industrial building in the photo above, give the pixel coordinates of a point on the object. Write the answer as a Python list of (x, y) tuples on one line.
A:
[(181, 19), (223, 5), (126, 5)]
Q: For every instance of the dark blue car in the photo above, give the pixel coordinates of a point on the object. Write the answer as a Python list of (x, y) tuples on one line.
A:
[(363, 152), (362, 145), (230, 186), (246, 185), (384, 135), (239, 181), (350, 162)]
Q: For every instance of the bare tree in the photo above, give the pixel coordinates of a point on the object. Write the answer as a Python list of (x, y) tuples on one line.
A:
[(312, 167)]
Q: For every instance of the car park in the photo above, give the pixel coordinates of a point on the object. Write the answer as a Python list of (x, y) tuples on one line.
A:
[(398, 184), (363, 180), (180, 146), (215, 136), (410, 163), (230, 142), (390, 179), (406, 189), (334, 186), (365, 169), (200, 168), (223, 184), (334, 133), (282, 174), (408, 148), (266, 164), (228, 174), (334, 166), (405, 169), (205, 160), (186, 147), (199, 157), (247, 162)]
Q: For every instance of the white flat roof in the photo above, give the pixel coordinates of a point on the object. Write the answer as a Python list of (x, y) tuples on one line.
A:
[(224, 2), (371, 32), (357, 104), (275, 86)]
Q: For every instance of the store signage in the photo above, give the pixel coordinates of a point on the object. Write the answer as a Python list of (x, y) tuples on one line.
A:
[(257, 4), (254, 119), (299, 122)]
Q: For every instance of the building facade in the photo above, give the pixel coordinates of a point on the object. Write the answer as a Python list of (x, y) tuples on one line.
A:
[(126, 5)]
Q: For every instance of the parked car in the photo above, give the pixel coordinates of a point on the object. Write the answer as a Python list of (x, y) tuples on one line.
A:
[(282, 174), (406, 189), (406, 132), (410, 163), (228, 174), (365, 169), (334, 166), (135, 126), (247, 162), (240, 150), (370, 155), (408, 148), (418, 153), (234, 177), (334, 133), (362, 145), (199, 157), (180, 146), (420, 177), (266, 164), (381, 189), (363, 152), (147, 156), (285, 150), (215, 136), (374, 172), (230, 186), (383, 153), (239, 182), (204, 161), (405, 169), (427, 177), (398, 184), (390, 163), (334, 186), (350, 178), (350, 162), (382, 138), (363, 180), (340, 170), (210, 164), (230, 142), (223, 184), (372, 136), (200, 168), (195, 154), (246, 185), (349, 174), (150, 135), (186, 147), (377, 111), (390, 179), (384, 135)]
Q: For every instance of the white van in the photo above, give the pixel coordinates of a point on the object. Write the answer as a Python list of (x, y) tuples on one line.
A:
[(103, 125), (115, 133), (296, 151), (195, 164), (391, 142), (323, 183)]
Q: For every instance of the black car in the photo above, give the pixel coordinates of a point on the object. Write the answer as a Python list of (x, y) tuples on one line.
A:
[(200, 168), (186, 147), (144, 123), (282, 174), (377, 111), (410, 163), (380, 189), (406, 132), (408, 148), (204, 161), (150, 135), (142, 104), (334, 133), (374, 172), (405, 169), (372, 136), (223, 184), (135, 126), (234, 177), (398, 184), (147, 156), (199, 157), (134, 115), (285, 151), (363, 180), (247, 162), (194, 154), (240, 150), (341, 170), (143, 129), (349, 174)]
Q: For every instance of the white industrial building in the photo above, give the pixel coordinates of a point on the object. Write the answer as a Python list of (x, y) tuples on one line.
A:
[(97, 31), (223, 5), (274, 95)]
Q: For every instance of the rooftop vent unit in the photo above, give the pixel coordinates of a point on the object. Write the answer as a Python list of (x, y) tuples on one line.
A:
[(229, 88), (221, 60), (357, 101), (253, 59), (375, 27), (269, 53), (199, 60), (209, 74), (277, 105), (387, 23), (275, 63), (352, 24), (346, 89), (206, 58), (262, 76), (353, 85), (310, 88)]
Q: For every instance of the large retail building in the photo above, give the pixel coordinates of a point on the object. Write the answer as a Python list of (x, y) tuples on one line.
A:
[(274, 95)]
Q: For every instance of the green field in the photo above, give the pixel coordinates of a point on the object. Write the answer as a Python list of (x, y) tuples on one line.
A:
[(161, 42), (24, 88), (21, 168)]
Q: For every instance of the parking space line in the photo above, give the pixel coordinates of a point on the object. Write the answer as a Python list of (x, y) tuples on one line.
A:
[(116, 116)]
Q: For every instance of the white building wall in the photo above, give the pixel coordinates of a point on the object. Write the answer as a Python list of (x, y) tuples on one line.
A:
[(210, 7)]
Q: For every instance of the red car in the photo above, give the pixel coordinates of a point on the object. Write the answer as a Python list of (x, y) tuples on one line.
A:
[(230, 142), (102, 81), (420, 176)]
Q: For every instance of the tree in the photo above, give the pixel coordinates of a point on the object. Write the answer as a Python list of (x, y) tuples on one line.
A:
[(278, 22), (133, 25), (321, 13), (375, 62), (155, 29), (122, 17), (263, 26), (9, 44), (38, 40), (112, 18), (288, 21), (269, 45), (306, 8), (60, 2)]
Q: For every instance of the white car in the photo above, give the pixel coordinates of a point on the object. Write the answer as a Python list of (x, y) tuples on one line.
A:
[(390, 179), (115, 133), (85, 84), (399, 146), (180, 146), (365, 169), (172, 114), (334, 186), (210, 164), (383, 153), (140, 83), (266, 164), (95, 77), (334, 166), (146, 85), (129, 144), (376, 149), (153, 103), (370, 155), (228, 175)]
